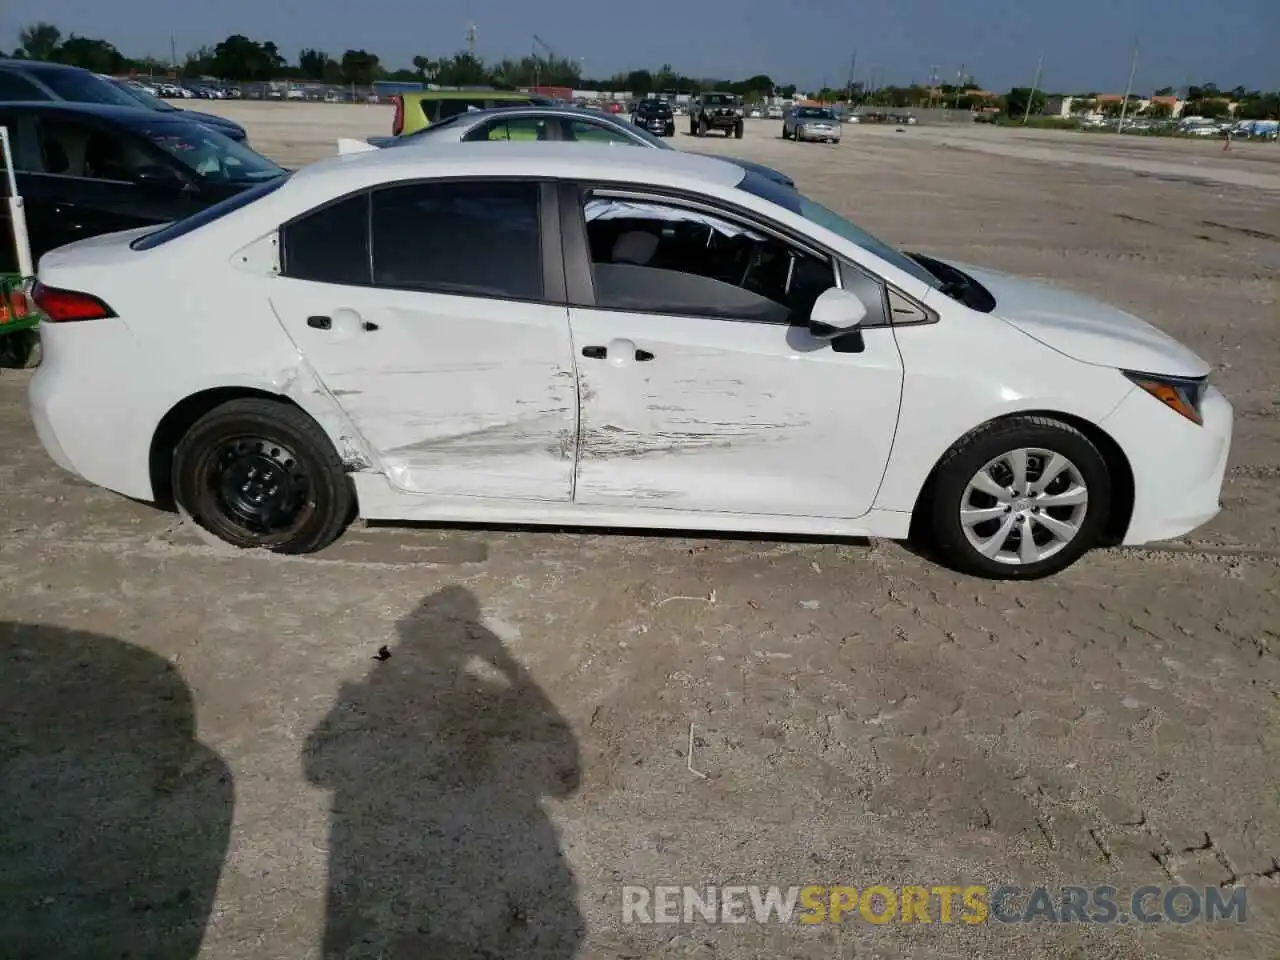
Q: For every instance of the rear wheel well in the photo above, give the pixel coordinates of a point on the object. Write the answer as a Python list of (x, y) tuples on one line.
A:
[(175, 424), (1122, 491)]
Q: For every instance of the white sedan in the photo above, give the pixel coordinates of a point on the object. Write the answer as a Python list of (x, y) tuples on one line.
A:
[(558, 334)]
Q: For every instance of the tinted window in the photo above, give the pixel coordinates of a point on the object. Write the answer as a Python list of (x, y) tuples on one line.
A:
[(516, 128), (83, 87), (472, 239), (208, 154), (451, 108), (329, 245), (75, 149), (659, 258), (14, 87), (208, 215), (586, 132)]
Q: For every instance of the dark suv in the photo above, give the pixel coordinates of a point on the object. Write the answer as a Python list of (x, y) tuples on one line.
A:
[(34, 81), (655, 116), (716, 111)]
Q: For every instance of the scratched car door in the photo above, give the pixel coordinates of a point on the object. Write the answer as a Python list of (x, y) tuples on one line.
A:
[(440, 346), (710, 396)]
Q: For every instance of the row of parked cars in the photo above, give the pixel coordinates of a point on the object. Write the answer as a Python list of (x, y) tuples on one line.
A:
[(450, 330)]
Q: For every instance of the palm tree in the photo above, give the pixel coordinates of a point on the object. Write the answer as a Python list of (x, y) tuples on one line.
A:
[(39, 41)]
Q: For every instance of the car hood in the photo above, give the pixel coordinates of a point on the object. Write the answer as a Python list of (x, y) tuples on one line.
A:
[(1085, 329), (777, 176), (221, 124)]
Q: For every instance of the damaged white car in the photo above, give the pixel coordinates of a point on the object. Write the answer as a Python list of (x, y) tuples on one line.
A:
[(558, 334)]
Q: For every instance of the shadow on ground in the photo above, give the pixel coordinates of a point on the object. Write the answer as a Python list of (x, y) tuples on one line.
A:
[(438, 763), (114, 819)]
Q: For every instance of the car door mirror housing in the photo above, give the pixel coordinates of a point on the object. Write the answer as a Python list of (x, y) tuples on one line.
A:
[(835, 313)]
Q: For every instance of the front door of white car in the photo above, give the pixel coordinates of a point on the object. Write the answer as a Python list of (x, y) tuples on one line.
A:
[(734, 406), (458, 380)]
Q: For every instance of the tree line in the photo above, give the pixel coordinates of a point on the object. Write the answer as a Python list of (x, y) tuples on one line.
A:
[(240, 59)]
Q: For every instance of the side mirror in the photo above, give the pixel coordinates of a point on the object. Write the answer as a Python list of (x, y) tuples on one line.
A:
[(835, 313)]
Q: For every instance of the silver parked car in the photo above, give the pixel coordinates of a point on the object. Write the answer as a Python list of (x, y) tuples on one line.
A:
[(541, 122), (810, 123)]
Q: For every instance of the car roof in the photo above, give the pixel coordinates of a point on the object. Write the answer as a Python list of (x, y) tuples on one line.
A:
[(127, 116), (526, 109), (37, 67), (468, 94), (578, 161)]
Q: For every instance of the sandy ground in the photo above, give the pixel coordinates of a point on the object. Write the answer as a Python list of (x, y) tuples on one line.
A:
[(202, 752)]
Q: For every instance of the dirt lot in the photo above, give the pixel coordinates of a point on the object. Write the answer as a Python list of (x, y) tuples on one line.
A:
[(197, 744)]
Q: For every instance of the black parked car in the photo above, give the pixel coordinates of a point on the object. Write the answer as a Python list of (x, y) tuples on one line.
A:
[(85, 170), (35, 80), (655, 116)]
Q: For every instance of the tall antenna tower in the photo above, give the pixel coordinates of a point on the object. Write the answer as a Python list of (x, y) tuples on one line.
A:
[(471, 39)]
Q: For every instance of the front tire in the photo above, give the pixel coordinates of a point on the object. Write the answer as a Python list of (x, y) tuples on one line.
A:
[(737, 132), (702, 127), (260, 473), (1018, 499)]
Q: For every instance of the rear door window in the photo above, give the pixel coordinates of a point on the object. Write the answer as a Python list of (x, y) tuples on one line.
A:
[(478, 238), (330, 244), (514, 128)]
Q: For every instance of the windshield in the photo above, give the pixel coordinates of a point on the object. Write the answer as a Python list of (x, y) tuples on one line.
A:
[(815, 113), (718, 99), (650, 140), (142, 97), (797, 202), (655, 106), (208, 154), (83, 87)]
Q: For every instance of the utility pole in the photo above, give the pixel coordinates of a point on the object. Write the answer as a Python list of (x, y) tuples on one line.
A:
[(173, 54), (933, 82), (1124, 106), (959, 85), (471, 39), (1035, 85), (853, 62)]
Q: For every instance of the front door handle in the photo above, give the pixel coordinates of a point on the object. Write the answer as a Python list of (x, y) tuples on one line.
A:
[(595, 353), (320, 323)]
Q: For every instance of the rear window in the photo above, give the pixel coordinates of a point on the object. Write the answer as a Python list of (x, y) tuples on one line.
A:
[(180, 228)]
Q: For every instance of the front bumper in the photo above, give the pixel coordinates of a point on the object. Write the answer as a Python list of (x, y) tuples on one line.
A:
[(1178, 467), (817, 133), (719, 121)]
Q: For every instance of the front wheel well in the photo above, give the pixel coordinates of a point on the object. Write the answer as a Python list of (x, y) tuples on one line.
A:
[(174, 425), (1122, 488)]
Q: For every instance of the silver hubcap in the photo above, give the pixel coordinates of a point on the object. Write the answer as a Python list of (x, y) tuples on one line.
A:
[(1024, 506)]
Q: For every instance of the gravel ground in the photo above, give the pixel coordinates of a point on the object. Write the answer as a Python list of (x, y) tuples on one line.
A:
[(464, 742)]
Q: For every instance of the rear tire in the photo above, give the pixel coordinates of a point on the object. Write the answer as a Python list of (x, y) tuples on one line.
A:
[(1065, 520), (737, 132), (260, 473), (702, 127)]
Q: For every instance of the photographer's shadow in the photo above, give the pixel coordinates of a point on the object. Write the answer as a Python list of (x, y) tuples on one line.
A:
[(114, 818), (438, 763)]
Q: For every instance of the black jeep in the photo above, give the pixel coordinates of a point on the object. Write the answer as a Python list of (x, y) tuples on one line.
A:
[(655, 116), (716, 111)]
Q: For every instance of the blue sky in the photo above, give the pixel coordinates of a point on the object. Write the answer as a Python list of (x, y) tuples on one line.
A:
[(1086, 44)]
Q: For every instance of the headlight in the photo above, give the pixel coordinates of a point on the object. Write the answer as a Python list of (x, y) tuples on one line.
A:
[(1182, 394)]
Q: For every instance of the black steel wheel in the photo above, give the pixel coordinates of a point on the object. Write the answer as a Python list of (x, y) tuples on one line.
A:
[(261, 473)]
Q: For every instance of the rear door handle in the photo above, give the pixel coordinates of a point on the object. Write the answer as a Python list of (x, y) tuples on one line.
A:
[(595, 353), (320, 323)]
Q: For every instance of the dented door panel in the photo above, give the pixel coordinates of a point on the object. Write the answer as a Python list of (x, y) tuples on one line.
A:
[(457, 396), (733, 417)]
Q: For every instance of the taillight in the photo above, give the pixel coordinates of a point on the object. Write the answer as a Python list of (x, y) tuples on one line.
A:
[(397, 123), (65, 306)]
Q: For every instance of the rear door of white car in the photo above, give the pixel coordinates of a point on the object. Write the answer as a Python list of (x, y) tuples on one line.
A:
[(701, 387), (432, 317)]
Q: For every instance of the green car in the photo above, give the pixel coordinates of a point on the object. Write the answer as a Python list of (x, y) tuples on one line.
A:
[(420, 109)]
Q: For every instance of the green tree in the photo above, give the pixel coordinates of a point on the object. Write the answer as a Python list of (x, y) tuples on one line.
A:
[(1160, 111), (1263, 107), (1209, 109), (1164, 92), (38, 41), (1016, 101), (96, 55), (312, 62), (360, 67), (463, 70)]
